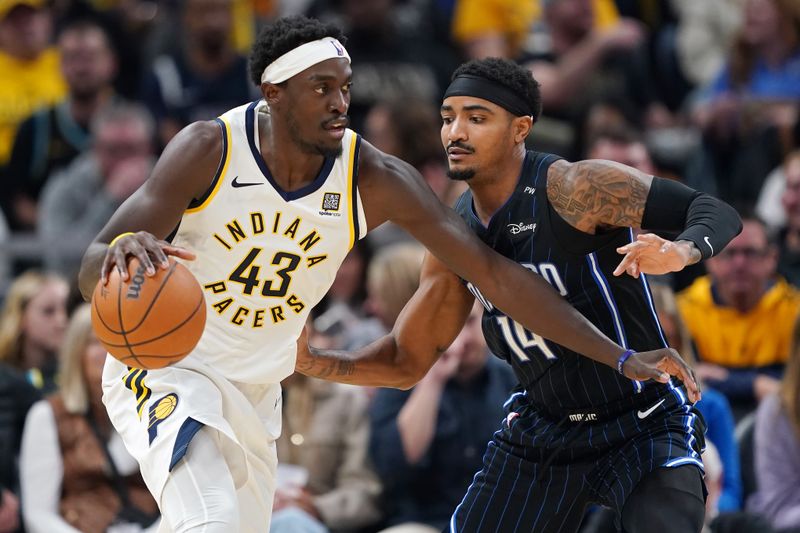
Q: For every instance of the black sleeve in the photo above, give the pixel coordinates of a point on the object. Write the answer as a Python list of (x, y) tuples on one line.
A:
[(702, 219)]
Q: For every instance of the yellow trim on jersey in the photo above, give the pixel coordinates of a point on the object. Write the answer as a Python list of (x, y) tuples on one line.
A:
[(350, 170), (134, 380), (227, 156)]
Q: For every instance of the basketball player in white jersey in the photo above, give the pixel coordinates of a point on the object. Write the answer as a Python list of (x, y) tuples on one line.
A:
[(269, 198)]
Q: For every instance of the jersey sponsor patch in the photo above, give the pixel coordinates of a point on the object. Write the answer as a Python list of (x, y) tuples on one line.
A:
[(330, 201), (160, 411)]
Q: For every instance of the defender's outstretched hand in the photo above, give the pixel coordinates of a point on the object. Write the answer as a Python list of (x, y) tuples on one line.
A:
[(660, 365), (146, 248), (650, 254)]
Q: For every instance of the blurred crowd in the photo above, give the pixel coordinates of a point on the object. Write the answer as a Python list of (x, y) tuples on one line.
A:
[(706, 92)]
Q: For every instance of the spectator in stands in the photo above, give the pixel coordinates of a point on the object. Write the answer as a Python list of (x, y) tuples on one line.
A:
[(16, 398), (410, 130), (718, 520), (582, 63), (703, 36), (325, 480), (741, 318), (746, 112), (495, 28), (76, 474), (714, 406), (204, 77), (392, 58), (79, 200), (392, 278), (426, 442), (32, 325), (53, 136), (777, 451), (789, 235), (622, 145), (29, 73)]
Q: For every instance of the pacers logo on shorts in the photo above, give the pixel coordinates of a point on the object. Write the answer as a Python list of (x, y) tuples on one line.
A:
[(159, 412)]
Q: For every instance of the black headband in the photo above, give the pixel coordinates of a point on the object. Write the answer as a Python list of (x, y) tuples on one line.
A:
[(468, 85)]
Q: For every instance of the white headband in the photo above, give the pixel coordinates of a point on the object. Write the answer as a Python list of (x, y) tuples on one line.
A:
[(297, 60)]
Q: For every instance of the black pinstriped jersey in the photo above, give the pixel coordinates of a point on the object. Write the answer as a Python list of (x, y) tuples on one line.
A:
[(579, 266)]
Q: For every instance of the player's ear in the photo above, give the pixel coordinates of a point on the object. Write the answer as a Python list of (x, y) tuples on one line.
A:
[(272, 93), (522, 127)]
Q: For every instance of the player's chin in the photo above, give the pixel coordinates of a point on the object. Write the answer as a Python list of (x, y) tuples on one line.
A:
[(460, 172), (329, 148)]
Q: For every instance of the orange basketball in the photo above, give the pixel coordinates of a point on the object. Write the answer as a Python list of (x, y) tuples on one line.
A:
[(149, 322)]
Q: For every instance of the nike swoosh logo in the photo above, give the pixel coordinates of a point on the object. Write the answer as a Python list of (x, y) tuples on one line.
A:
[(645, 414), (709, 245), (236, 183)]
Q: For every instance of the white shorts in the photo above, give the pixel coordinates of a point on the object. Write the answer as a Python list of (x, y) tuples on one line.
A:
[(157, 412)]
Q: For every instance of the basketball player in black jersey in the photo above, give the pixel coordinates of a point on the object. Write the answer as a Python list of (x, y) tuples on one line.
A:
[(577, 432)]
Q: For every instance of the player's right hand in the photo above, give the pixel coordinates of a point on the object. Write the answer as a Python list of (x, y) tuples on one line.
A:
[(146, 248), (659, 365)]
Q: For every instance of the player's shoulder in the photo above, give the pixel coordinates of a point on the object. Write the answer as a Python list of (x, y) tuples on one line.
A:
[(200, 143)]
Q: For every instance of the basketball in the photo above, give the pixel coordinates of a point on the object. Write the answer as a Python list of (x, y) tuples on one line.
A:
[(149, 322)]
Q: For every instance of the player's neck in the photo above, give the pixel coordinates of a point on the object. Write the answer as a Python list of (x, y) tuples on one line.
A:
[(291, 167), (492, 189)]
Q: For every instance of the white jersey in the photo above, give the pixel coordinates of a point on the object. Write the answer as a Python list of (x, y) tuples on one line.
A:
[(265, 256)]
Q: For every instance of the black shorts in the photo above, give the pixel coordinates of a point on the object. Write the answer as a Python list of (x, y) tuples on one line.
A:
[(540, 473)]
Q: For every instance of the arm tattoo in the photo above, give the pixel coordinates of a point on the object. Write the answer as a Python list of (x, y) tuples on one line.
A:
[(323, 367), (593, 193)]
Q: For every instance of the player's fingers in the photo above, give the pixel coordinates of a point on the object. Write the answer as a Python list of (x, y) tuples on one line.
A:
[(177, 251), (633, 270), (106, 268), (121, 263), (624, 264), (140, 252), (651, 372), (650, 238), (633, 246), (157, 252), (677, 367)]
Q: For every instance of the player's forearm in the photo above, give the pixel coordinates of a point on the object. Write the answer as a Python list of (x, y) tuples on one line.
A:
[(375, 365), (532, 302), (90, 268)]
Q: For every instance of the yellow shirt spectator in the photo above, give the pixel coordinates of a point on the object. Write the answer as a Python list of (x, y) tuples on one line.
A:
[(476, 19), (727, 337), (24, 87)]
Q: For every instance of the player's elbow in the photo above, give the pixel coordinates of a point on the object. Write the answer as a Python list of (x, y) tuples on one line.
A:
[(411, 368), (408, 376)]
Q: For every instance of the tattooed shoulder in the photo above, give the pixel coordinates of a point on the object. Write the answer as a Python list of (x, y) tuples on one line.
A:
[(596, 193)]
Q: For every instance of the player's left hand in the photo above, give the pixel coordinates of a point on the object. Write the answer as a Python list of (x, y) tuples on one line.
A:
[(650, 254), (659, 365)]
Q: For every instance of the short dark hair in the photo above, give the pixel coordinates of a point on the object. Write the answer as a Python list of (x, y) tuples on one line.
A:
[(285, 34), (509, 74)]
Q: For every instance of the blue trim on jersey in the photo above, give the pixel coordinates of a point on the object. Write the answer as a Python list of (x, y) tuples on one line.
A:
[(649, 295), (188, 430), (680, 461), (353, 192), (513, 397), (602, 282), (327, 165), (689, 425), (609, 299)]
